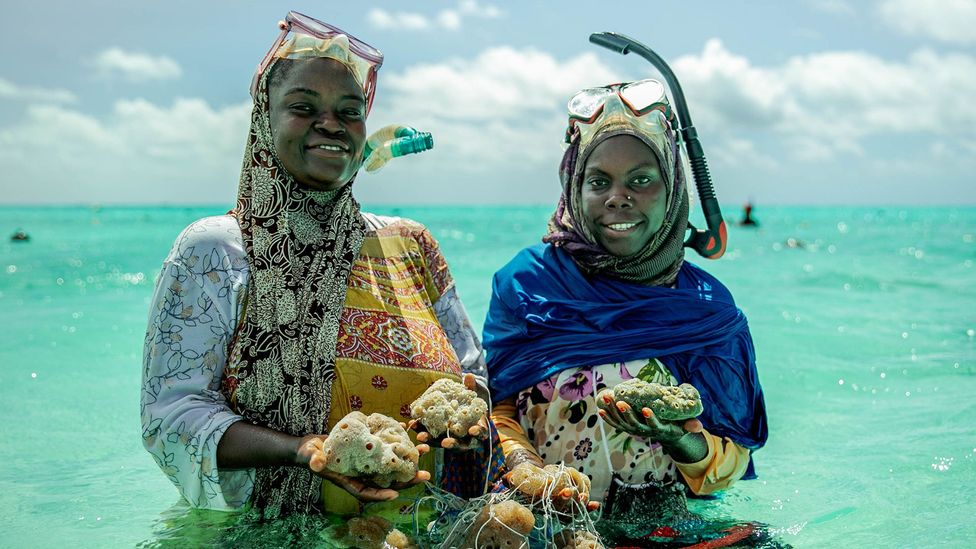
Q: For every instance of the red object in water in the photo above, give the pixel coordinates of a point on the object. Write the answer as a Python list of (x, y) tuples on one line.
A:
[(735, 534), (664, 532)]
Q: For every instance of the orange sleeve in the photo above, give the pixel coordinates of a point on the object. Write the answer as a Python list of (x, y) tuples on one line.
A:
[(725, 463), (510, 433)]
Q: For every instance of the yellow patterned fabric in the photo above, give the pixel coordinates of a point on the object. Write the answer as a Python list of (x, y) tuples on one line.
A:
[(390, 346)]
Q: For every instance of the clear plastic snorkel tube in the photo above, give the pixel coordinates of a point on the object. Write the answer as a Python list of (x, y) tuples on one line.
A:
[(708, 242)]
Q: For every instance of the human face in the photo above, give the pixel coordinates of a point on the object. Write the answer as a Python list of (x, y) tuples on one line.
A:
[(318, 123), (624, 194)]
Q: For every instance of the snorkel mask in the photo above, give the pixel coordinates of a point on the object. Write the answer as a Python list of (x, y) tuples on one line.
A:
[(303, 37), (638, 97), (642, 105)]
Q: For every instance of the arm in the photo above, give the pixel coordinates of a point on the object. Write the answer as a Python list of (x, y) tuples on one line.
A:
[(454, 320), (184, 414), (515, 444), (724, 464)]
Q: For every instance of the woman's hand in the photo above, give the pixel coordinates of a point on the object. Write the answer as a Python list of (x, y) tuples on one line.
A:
[(622, 417), (564, 486), (310, 455), (475, 436)]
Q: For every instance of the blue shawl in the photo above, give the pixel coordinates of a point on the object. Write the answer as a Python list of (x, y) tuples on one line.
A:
[(545, 316)]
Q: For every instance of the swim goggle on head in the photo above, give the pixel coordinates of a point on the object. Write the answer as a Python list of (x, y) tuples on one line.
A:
[(642, 106), (303, 37)]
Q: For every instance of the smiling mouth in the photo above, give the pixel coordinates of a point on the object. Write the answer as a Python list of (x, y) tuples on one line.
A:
[(622, 227), (330, 148)]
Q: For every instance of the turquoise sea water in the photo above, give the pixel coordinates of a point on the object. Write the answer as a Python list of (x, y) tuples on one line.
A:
[(865, 331)]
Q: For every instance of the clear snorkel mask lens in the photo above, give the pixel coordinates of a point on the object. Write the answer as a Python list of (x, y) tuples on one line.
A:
[(642, 104), (323, 40)]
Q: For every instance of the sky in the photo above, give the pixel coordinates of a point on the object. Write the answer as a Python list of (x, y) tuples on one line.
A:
[(812, 102)]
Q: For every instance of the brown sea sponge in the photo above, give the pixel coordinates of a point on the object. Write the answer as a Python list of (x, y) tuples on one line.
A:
[(374, 447), (668, 402), (504, 525), (367, 533), (536, 482), (448, 407), (577, 539)]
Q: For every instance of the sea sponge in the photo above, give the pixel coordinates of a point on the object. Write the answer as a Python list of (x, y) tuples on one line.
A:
[(504, 525), (536, 482), (371, 532), (666, 401), (448, 407), (577, 539), (374, 447)]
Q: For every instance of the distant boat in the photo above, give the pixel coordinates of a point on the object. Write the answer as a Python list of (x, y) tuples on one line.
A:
[(19, 236)]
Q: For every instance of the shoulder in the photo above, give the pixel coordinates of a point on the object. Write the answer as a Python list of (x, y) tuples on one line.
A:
[(385, 225), (533, 259), (217, 238)]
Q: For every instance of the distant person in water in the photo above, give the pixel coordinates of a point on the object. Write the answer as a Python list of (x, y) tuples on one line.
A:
[(19, 236), (747, 220)]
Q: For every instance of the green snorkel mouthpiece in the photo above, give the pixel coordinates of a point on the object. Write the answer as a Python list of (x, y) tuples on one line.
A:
[(708, 242)]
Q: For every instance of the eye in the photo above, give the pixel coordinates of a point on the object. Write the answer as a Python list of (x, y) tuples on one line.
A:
[(300, 108), (353, 113), (597, 183), (644, 180)]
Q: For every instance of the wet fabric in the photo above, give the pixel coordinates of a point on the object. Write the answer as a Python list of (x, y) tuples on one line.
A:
[(545, 316)]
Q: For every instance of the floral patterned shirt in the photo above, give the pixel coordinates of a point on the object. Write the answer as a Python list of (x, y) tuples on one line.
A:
[(560, 418)]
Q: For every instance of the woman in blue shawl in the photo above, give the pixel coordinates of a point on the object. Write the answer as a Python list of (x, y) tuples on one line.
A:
[(608, 297)]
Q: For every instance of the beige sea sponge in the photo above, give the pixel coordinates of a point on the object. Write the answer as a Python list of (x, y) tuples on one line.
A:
[(371, 532), (668, 402), (504, 525), (374, 447), (536, 482), (577, 539), (448, 407)]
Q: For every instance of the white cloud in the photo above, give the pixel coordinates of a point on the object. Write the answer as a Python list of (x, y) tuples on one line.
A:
[(450, 19), (834, 98), (951, 21), (186, 152), (505, 105), (11, 91), (474, 9), (383, 19), (136, 67)]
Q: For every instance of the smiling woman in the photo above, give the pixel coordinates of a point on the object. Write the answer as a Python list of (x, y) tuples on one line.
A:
[(272, 323), (609, 298)]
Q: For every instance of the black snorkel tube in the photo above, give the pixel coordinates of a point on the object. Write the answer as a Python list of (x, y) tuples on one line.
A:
[(709, 242)]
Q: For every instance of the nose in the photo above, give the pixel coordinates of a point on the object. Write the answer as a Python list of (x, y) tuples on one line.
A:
[(328, 122), (619, 199)]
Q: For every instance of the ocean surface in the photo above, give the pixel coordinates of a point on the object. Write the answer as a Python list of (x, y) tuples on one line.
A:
[(864, 321)]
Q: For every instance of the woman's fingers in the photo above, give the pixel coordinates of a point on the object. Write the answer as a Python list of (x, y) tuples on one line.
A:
[(609, 412), (470, 382), (360, 490), (317, 463)]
